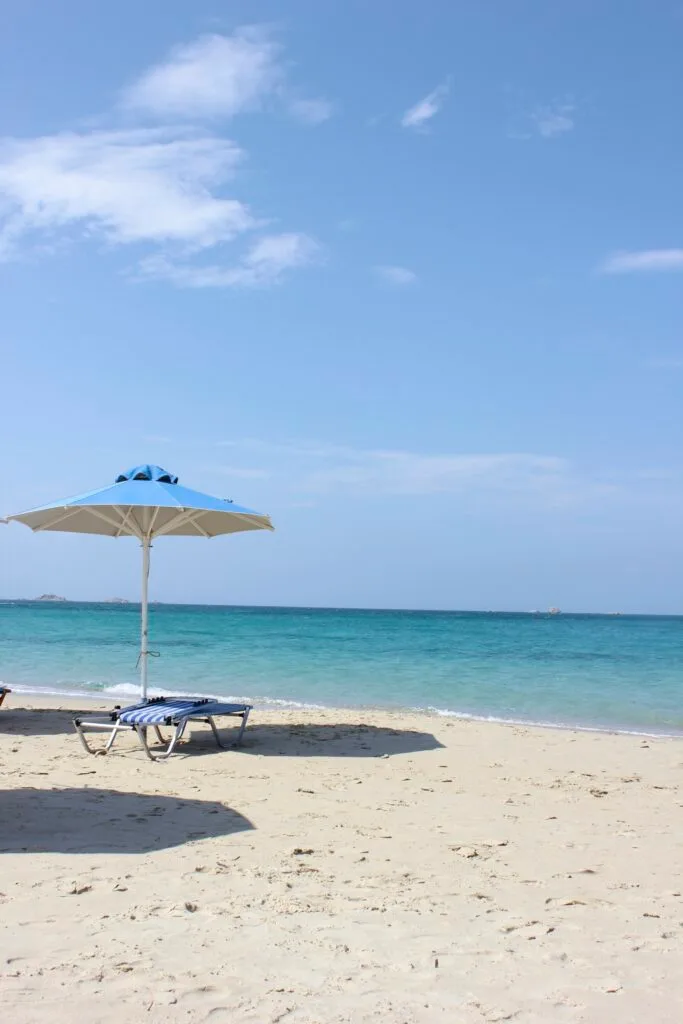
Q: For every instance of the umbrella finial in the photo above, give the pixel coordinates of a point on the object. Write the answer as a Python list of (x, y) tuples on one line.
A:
[(162, 476)]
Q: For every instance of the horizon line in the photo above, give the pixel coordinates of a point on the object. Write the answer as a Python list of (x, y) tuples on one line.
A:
[(552, 612)]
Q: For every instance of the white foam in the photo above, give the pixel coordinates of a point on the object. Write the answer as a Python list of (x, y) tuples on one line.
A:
[(126, 690), (541, 724), (277, 702), (48, 691), (133, 690), (122, 691)]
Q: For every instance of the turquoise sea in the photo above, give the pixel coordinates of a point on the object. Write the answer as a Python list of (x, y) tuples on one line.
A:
[(616, 672)]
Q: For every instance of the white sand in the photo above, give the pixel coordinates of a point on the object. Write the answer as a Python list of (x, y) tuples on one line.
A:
[(452, 871)]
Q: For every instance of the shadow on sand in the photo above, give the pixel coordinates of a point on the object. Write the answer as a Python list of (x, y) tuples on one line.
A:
[(72, 820), (290, 739), (333, 740), (39, 721)]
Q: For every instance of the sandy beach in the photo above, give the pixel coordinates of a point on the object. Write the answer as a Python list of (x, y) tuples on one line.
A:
[(340, 867)]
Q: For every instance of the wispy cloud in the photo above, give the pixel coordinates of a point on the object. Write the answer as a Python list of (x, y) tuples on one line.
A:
[(220, 76), (161, 189), (547, 121), (554, 120), (311, 111), (325, 468), (397, 276), (264, 264), (416, 117), (146, 185), (211, 76), (398, 472), (643, 261)]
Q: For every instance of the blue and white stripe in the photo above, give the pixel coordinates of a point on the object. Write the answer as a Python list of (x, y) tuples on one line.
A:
[(173, 711)]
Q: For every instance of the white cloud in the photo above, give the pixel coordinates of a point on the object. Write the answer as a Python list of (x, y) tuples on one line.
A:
[(550, 120), (397, 472), (337, 468), (399, 276), (222, 76), (161, 189), (264, 264), (554, 120), (213, 76), (146, 185), (311, 111), (417, 116), (647, 260)]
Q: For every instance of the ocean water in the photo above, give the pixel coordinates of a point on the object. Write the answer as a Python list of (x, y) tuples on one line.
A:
[(591, 671)]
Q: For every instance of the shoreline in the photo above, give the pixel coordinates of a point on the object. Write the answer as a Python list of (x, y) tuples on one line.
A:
[(587, 673), (108, 701)]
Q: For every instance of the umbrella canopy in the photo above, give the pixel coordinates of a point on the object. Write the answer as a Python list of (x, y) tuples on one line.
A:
[(146, 502)]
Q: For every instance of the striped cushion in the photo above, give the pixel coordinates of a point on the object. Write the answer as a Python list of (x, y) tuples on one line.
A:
[(217, 707), (171, 711)]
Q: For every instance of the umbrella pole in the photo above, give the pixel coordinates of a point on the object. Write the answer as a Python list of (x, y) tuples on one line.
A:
[(144, 646)]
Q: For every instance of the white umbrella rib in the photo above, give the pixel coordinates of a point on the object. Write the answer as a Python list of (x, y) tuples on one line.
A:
[(125, 516), (66, 514), (99, 514), (186, 517)]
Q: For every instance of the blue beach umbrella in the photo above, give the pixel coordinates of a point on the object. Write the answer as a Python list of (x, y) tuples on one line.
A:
[(146, 502)]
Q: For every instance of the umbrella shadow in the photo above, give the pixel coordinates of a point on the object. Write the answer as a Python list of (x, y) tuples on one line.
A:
[(334, 740), (73, 820), (299, 739), (39, 721)]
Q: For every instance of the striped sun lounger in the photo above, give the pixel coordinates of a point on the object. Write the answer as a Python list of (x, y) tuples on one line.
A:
[(4, 690), (172, 712)]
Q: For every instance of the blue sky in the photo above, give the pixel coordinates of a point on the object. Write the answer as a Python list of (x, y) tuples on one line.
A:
[(406, 276)]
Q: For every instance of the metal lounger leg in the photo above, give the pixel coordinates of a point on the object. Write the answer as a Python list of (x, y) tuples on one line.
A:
[(116, 729), (214, 730), (178, 733), (243, 726), (244, 716), (142, 736), (81, 736), (109, 726)]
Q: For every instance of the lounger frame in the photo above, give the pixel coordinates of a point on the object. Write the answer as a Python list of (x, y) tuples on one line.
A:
[(178, 722)]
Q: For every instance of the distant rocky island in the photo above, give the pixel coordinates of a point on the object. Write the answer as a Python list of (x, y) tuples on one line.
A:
[(58, 598)]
